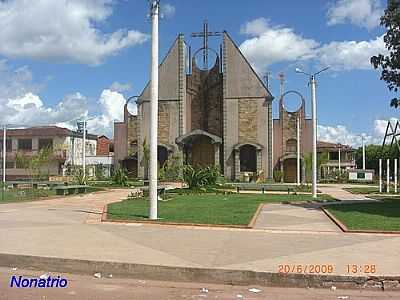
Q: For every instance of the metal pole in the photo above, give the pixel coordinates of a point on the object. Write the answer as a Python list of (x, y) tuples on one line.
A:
[(387, 175), (380, 175), (84, 150), (154, 112), (340, 165), (298, 151), (4, 155), (363, 150), (395, 176), (314, 137)]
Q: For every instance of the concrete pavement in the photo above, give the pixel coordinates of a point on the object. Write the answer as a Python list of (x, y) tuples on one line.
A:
[(295, 217), (339, 193), (59, 228)]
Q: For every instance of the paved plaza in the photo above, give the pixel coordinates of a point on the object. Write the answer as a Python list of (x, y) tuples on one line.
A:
[(71, 228)]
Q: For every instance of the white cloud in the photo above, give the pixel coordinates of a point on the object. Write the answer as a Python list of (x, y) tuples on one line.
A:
[(64, 31), (350, 55), (362, 13), (271, 44), (342, 134), (168, 10), (120, 87), (274, 44), (20, 104)]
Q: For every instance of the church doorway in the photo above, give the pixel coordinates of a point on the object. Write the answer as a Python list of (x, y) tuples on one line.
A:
[(248, 158), (162, 155), (203, 152), (289, 170)]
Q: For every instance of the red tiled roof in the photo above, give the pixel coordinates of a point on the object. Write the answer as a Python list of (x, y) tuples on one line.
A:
[(322, 144), (44, 131)]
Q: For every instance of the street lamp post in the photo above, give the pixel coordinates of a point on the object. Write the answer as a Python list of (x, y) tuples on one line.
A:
[(298, 151), (363, 151), (313, 84), (4, 155), (154, 12)]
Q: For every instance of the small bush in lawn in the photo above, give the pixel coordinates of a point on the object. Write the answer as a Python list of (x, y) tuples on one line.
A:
[(278, 175), (120, 177)]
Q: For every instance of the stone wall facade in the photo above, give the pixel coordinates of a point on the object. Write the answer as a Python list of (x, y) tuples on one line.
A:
[(247, 121)]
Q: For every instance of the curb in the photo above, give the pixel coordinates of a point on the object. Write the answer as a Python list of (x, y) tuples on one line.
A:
[(203, 275)]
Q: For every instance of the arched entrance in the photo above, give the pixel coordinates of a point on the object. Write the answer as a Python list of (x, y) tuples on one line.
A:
[(162, 155), (200, 148), (203, 152), (248, 158)]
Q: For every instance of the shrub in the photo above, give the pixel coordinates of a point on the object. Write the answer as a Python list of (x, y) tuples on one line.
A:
[(278, 174), (120, 177), (79, 178), (200, 177)]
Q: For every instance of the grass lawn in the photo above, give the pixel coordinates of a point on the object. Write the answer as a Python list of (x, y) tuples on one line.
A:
[(369, 216), (24, 195), (233, 209)]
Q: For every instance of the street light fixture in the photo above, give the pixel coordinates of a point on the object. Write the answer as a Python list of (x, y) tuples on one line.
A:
[(313, 84)]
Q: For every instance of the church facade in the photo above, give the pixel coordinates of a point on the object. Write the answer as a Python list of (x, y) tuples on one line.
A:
[(210, 114), (218, 112)]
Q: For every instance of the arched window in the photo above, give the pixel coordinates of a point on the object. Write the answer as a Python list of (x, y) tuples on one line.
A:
[(291, 145), (248, 158)]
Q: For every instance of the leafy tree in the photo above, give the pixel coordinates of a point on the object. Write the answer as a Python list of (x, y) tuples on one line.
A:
[(372, 155), (390, 63), (34, 163)]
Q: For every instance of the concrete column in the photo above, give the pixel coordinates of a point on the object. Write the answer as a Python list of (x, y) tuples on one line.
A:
[(237, 164), (259, 161), (216, 154), (387, 175)]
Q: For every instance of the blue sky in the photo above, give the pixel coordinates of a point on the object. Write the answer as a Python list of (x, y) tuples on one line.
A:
[(62, 59)]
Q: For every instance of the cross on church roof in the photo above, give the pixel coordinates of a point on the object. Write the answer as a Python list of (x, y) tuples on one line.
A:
[(205, 34)]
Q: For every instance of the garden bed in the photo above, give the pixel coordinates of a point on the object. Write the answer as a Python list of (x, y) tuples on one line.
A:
[(207, 208)]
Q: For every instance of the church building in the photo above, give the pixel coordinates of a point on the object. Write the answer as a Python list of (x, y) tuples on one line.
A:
[(214, 110)]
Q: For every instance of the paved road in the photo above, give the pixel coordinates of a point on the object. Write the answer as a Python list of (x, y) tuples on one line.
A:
[(88, 287), (70, 228)]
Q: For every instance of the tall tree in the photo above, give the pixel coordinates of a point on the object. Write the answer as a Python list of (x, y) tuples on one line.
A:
[(390, 63)]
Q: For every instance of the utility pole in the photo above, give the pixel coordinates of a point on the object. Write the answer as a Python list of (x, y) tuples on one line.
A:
[(314, 136), (298, 150), (84, 149), (313, 84), (4, 155), (363, 150), (380, 175), (281, 77), (154, 12)]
